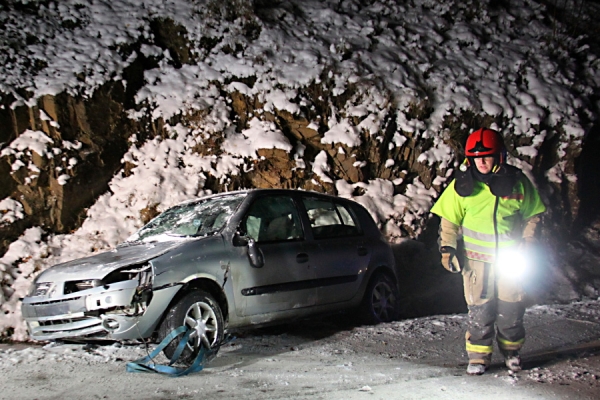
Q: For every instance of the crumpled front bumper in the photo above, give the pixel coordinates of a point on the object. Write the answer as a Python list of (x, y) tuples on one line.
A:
[(100, 312)]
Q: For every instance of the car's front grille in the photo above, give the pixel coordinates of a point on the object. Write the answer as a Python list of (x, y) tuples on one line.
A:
[(66, 328), (54, 308), (65, 321), (43, 303)]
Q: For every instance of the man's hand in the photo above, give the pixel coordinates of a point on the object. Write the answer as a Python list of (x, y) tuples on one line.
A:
[(449, 259)]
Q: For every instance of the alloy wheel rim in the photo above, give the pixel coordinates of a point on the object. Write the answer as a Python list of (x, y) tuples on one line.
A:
[(383, 300), (202, 320)]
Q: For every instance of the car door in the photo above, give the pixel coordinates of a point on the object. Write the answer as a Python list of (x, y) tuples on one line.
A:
[(286, 280), (338, 249)]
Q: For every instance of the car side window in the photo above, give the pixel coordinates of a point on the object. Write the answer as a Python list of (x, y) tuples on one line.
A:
[(271, 219), (330, 219)]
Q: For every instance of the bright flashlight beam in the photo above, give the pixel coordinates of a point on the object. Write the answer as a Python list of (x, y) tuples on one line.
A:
[(512, 263)]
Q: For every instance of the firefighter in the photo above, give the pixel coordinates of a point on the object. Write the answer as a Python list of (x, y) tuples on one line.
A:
[(496, 208)]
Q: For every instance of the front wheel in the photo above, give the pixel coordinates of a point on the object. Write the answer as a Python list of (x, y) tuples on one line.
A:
[(201, 313), (381, 300)]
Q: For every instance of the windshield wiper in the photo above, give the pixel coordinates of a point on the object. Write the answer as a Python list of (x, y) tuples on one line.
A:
[(131, 243)]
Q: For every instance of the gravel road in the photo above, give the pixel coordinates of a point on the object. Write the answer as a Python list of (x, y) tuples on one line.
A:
[(329, 358)]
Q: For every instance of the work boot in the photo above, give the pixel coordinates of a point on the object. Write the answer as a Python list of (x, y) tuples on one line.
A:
[(475, 369), (512, 360)]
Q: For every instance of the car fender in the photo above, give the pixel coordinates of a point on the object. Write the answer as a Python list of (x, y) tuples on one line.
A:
[(383, 257), (377, 264), (218, 285), (202, 260), (202, 257)]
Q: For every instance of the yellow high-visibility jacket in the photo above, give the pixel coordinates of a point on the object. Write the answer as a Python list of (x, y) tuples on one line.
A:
[(489, 222)]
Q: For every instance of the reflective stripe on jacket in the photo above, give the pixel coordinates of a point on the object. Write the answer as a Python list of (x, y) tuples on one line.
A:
[(475, 213)]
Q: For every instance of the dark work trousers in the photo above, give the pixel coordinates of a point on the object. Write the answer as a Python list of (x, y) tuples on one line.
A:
[(495, 310)]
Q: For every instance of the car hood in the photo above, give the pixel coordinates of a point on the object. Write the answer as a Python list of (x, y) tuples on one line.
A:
[(100, 265)]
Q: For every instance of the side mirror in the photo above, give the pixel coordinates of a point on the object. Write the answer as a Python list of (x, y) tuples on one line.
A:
[(255, 255)]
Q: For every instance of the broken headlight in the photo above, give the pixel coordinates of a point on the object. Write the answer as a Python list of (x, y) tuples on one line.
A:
[(143, 293), (76, 286), (141, 273)]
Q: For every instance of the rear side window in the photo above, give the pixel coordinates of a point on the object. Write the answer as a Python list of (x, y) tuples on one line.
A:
[(330, 219), (272, 219)]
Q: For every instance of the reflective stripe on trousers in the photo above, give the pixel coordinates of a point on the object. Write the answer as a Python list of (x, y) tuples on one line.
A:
[(484, 320)]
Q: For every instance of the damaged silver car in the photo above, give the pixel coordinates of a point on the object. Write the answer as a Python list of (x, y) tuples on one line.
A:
[(222, 262)]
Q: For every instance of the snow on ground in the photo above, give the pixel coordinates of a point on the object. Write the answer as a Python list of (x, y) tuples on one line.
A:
[(410, 332), (451, 56), (330, 358)]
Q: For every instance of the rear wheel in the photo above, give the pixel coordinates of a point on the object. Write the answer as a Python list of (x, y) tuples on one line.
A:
[(381, 300), (201, 313)]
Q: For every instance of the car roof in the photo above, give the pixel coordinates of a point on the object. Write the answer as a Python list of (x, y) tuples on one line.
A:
[(364, 215), (263, 191)]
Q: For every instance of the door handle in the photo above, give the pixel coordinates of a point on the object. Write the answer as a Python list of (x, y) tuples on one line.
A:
[(362, 251), (301, 258)]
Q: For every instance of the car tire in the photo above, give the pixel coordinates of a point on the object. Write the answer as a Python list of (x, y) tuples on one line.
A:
[(381, 300), (199, 311)]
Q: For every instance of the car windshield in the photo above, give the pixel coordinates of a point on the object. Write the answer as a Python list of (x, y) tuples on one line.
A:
[(198, 218)]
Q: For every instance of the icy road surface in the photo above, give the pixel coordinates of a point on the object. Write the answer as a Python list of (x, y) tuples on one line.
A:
[(329, 358)]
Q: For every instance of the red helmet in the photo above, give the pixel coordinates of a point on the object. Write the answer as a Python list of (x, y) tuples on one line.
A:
[(483, 143)]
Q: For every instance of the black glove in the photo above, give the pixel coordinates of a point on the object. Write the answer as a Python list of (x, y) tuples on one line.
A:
[(449, 259)]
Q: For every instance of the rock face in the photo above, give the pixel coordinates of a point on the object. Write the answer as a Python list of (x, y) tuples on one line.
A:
[(345, 99), (87, 141), (95, 133)]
